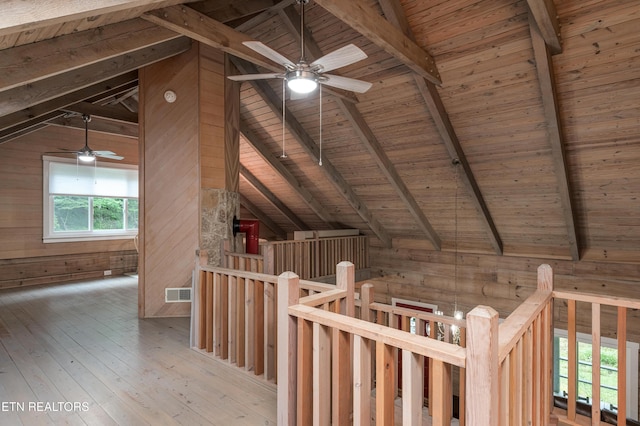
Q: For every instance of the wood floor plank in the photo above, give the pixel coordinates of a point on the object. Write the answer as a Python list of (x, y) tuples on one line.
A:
[(83, 342)]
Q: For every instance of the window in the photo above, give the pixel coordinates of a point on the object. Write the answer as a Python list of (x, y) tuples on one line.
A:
[(608, 371), (88, 202)]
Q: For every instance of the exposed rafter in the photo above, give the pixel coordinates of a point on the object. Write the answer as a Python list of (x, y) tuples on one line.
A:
[(262, 217), (371, 143), (371, 25), (37, 61), (273, 199), (394, 13), (546, 78), (26, 96), (306, 142), (98, 125), (193, 24), (306, 196), (108, 112), (545, 15), (27, 15), (18, 123)]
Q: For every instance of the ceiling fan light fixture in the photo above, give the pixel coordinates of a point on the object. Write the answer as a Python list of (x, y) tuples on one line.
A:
[(301, 81), (86, 157)]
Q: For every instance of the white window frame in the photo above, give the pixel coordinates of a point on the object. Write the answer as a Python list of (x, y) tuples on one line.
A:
[(49, 236), (632, 366)]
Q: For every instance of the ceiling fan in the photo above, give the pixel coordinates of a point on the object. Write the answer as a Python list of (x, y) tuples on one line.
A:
[(86, 154), (302, 77)]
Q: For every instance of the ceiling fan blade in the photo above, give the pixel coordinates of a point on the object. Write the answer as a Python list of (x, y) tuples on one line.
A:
[(342, 57), (108, 154), (248, 77), (346, 83), (268, 52)]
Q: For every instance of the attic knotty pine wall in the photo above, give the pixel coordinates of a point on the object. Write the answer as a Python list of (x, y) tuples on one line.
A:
[(413, 271), (24, 258)]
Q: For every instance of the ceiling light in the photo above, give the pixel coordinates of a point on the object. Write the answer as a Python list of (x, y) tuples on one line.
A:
[(301, 81), (87, 157)]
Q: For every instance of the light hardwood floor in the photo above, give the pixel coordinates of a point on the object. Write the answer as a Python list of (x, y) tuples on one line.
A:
[(82, 344)]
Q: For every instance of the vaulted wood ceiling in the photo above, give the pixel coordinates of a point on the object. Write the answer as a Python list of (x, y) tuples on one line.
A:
[(520, 118)]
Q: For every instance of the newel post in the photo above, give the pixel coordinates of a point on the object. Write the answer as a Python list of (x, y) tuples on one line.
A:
[(545, 283), (268, 259), (346, 280), (482, 365), (288, 294), (366, 299)]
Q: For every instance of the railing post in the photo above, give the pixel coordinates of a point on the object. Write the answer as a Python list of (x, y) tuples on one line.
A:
[(268, 259), (346, 280), (482, 367), (366, 298), (545, 283), (288, 294)]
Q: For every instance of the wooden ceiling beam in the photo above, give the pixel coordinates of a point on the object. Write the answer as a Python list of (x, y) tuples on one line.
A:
[(385, 35), (22, 97), (262, 217), (546, 78), (193, 24), (370, 141), (104, 111), (14, 125), (546, 17), (273, 199), (307, 143), (37, 61), (18, 16), (110, 127), (394, 13), (262, 150)]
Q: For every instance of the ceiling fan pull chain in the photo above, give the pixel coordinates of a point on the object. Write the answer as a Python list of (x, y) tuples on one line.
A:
[(284, 93), (320, 91)]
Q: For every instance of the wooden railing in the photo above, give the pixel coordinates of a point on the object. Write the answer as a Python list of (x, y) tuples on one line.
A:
[(313, 258), (234, 317), (330, 361), (525, 356), (596, 303)]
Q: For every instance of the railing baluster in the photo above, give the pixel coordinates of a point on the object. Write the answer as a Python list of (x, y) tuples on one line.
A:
[(362, 381)]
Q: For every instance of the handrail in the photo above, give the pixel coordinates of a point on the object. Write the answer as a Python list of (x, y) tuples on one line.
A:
[(446, 352), (512, 328), (427, 316), (596, 298)]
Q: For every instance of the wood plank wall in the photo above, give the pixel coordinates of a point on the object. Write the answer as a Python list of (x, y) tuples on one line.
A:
[(24, 258), (502, 282), (170, 196)]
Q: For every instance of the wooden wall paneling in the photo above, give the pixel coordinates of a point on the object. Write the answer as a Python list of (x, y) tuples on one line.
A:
[(171, 182)]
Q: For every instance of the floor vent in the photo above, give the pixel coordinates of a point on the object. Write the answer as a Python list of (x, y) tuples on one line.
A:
[(177, 295)]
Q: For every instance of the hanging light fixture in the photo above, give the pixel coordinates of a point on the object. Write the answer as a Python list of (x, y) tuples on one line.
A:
[(457, 314), (86, 154)]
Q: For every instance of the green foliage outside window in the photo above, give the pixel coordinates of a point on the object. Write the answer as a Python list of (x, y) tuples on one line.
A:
[(70, 213)]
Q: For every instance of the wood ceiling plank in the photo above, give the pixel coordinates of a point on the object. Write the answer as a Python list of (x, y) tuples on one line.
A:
[(273, 199), (307, 143), (385, 35), (546, 77), (546, 17), (268, 156), (36, 61), (26, 96), (20, 15), (394, 12), (369, 140)]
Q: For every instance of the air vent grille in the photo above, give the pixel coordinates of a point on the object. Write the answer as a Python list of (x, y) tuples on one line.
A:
[(177, 295)]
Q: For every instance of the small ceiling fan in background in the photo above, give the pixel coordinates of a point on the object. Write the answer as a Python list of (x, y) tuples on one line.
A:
[(86, 154), (302, 77)]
